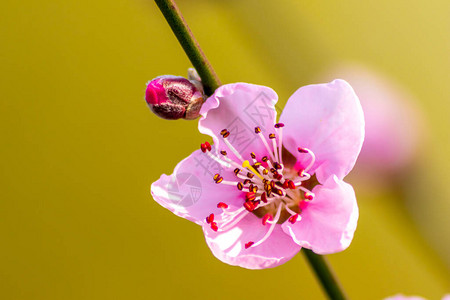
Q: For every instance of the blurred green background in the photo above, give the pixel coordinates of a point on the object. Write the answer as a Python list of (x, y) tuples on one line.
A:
[(79, 148)]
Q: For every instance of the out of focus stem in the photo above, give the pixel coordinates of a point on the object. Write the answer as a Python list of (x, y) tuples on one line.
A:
[(190, 45), (211, 82), (325, 275)]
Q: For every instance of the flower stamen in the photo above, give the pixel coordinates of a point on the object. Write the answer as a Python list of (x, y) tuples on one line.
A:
[(279, 129), (222, 205), (263, 139), (313, 157), (268, 188), (273, 223), (274, 145), (266, 218), (225, 135), (234, 220)]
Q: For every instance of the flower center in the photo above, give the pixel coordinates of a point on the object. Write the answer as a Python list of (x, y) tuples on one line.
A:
[(274, 192)]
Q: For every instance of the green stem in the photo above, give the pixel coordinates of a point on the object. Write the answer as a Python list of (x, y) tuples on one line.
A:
[(211, 82), (325, 275), (187, 40)]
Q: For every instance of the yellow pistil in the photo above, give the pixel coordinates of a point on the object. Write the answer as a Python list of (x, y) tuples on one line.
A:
[(246, 164)]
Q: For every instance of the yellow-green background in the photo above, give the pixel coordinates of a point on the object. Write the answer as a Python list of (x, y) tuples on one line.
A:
[(79, 148)]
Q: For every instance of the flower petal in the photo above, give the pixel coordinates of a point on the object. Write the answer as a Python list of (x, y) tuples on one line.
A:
[(239, 108), (328, 119), (190, 191), (229, 246), (329, 221), (403, 297)]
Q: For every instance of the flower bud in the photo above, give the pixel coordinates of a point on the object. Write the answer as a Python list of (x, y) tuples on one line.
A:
[(173, 97)]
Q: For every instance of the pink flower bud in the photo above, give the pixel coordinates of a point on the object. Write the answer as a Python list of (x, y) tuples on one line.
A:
[(173, 97)]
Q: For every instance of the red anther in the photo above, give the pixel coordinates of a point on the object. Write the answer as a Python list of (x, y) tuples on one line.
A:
[(254, 189), (256, 203), (277, 165), (257, 130), (214, 226), (249, 206), (301, 173), (278, 176), (271, 136), (291, 185), (222, 205), (264, 197), (250, 187), (210, 218), (302, 150), (292, 219), (278, 192), (247, 181), (309, 196), (253, 155), (248, 245), (250, 196), (223, 131), (267, 217), (257, 164), (302, 205), (203, 147), (250, 175), (272, 184), (273, 170), (236, 171), (223, 152), (286, 184), (268, 189), (264, 180), (208, 146), (265, 158), (278, 125), (240, 186), (265, 172), (217, 178), (227, 134)]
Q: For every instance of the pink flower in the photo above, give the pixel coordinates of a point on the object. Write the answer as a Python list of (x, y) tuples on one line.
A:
[(266, 189), (394, 124), (403, 297)]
